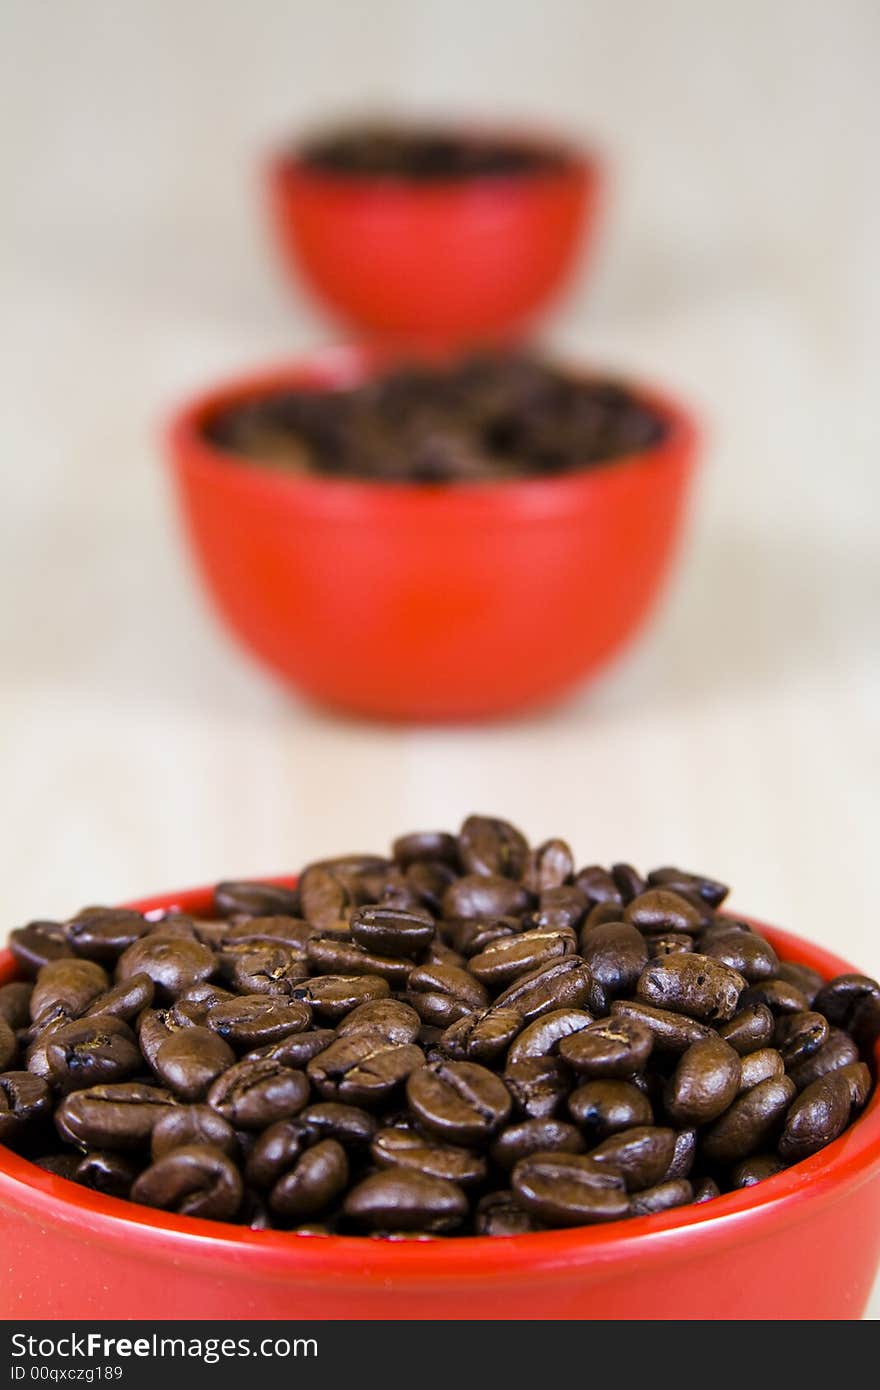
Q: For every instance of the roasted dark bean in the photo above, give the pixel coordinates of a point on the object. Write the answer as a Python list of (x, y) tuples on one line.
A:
[(705, 1082), (180, 1125), (428, 884), (252, 1095), (471, 935), (119, 1116), (173, 963), (752, 956), (331, 1119), (671, 1032), (37, 944), (798, 1036), (487, 845), (125, 1000), (15, 1001), (254, 900), (661, 910), (69, 984), (676, 1192), (683, 1155), (749, 1029), (544, 1033), (255, 1020), (819, 1114), (779, 996), (294, 1050), (808, 981), (691, 984), (538, 1086), (549, 866), (103, 933), (276, 1150), (535, 1136), (677, 880), (403, 1199), (24, 1100), (8, 1046), (569, 1189), (858, 1079), (755, 1169), (461, 1102), (499, 1214), (669, 944), (110, 1173), (316, 1179), (628, 880), (484, 895), (598, 886), (324, 898), (507, 959), (363, 1068), (89, 1051), (442, 994), (753, 1120), (483, 1036), (431, 846), (706, 1190), (332, 956), (610, 1049), (760, 1066), (396, 1021), (190, 1060), (601, 1108), (566, 984), (407, 1149), (842, 996), (194, 1181), (616, 953), (641, 1155), (264, 968), (390, 931), (334, 996), (837, 1051)]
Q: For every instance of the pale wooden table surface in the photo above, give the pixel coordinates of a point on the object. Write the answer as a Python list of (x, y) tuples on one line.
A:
[(140, 750)]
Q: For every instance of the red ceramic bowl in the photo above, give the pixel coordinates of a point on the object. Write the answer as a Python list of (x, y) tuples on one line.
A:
[(455, 260), (803, 1245), (428, 603)]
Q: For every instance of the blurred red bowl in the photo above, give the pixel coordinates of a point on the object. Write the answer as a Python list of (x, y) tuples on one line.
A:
[(453, 260), (415, 602), (800, 1246)]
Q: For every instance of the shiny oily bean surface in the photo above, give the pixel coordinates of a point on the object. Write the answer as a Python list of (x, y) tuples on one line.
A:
[(483, 1036), (753, 1121), (818, 1115), (363, 1068), (194, 1180), (671, 1032), (705, 1082), (408, 1149), (180, 1125), (749, 1029), (616, 953), (526, 1137), (403, 1199), (506, 959), (640, 1155), (569, 1189), (546, 1032), (610, 1048), (691, 984), (600, 1108), (317, 1177), (760, 1066), (462, 1102)]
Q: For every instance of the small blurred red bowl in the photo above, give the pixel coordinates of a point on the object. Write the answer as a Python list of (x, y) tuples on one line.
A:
[(469, 258), (800, 1246), (427, 602)]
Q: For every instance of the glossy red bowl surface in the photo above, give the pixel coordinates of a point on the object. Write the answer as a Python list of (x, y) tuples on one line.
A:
[(416, 602), (802, 1245), (454, 260)]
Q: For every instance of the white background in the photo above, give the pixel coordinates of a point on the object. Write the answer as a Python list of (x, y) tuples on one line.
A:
[(738, 266)]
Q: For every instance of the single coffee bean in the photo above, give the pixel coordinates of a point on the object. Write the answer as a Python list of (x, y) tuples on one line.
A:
[(426, 846), (404, 1199), (669, 944), (807, 980), (408, 1149), (390, 931), (294, 1050), (482, 1036), (598, 886), (110, 1173), (333, 956), (660, 910), (706, 1190), (760, 1066), (640, 1155), (363, 1068), (470, 936), (15, 999), (264, 968), (798, 1036), (839, 1050), (751, 1123), (569, 1189), (278, 930), (499, 1214), (255, 1020), (840, 997), (818, 1115), (858, 1079), (252, 1095), (35, 945), (173, 963), (194, 1005), (779, 996), (312, 1184), (538, 1086), (125, 1000), (749, 1029), (89, 1051), (24, 1101), (8, 1046), (544, 1033), (442, 994), (601, 1108), (396, 1021), (526, 1137), (428, 883), (616, 953), (69, 984), (677, 880), (461, 1102), (565, 984), (190, 1060), (254, 900), (193, 1181), (683, 1155), (119, 1116), (612, 1048), (276, 1150), (671, 1032), (755, 1169), (691, 984), (485, 895), (749, 954), (507, 959), (705, 1082), (331, 1119), (558, 908), (334, 996), (549, 866), (325, 899), (438, 953), (103, 933), (181, 1125), (677, 1192), (490, 846)]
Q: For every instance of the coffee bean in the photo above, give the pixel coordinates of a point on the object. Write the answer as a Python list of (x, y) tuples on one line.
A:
[(484, 895), (324, 898), (404, 1199), (396, 1021), (507, 959), (119, 1116), (254, 900), (683, 1155), (610, 1049), (671, 1032), (407, 1149), (749, 1029), (526, 1137), (660, 910), (332, 956), (549, 866), (67, 984), (760, 1066), (558, 908), (706, 1190), (482, 1036), (492, 847), (779, 996), (428, 884), (808, 981), (798, 1036), (8, 1046), (677, 880), (252, 1095), (569, 1189), (470, 936), (103, 933), (191, 1059), (598, 886), (89, 1051), (442, 994), (818, 1115), (277, 930), (640, 1155), (840, 997), (431, 846), (705, 1082), (677, 1192), (24, 1101), (312, 1184), (173, 963), (858, 1079), (193, 1181), (499, 1214), (692, 984), (125, 1000), (538, 1086), (837, 1051), (110, 1173), (37, 944), (255, 1020), (616, 954), (461, 1102), (276, 1150), (294, 1050), (363, 1068), (330, 1119), (565, 984), (601, 1108), (628, 880), (669, 944), (15, 1001), (181, 1125), (264, 968), (394, 932), (751, 1122), (544, 1033), (755, 1169), (744, 952)]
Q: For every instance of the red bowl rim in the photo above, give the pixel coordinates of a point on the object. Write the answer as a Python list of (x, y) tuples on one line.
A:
[(579, 163), (789, 1196), (349, 364)]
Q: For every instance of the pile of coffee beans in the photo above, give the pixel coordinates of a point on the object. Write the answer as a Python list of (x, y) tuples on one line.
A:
[(490, 417), (425, 153), (470, 1036)]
